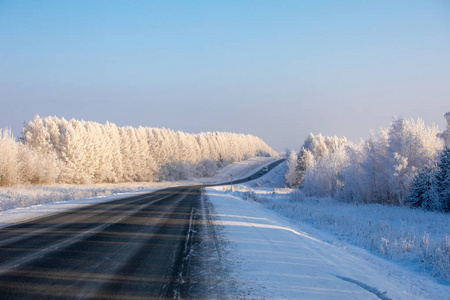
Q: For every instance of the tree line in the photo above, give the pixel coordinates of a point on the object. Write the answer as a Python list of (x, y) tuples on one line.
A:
[(55, 150)]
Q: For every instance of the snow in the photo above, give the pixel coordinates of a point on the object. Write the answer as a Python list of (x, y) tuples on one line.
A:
[(271, 256), (58, 198), (21, 214)]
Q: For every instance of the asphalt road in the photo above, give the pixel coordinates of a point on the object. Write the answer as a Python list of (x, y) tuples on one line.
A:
[(134, 248)]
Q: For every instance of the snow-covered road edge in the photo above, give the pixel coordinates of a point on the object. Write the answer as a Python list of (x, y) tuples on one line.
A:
[(253, 268), (18, 215)]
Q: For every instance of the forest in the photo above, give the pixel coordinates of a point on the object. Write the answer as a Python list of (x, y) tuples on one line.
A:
[(55, 150), (405, 163)]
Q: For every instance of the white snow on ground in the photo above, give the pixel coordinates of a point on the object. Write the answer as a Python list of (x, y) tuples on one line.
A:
[(57, 198), (271, 259), (29, 195), (274, 257)]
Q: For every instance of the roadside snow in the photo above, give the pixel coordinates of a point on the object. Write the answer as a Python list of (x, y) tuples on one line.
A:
[(21, 214), (272, 258), (267, 243), (29, 195), (18, 204)]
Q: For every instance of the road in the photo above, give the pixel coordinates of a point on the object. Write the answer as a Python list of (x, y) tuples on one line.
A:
[(134, 248)]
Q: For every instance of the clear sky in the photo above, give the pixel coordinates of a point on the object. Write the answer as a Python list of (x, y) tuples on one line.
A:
[(276, 69)]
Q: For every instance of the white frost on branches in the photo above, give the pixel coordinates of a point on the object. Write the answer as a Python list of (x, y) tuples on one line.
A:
[(377, 170), (55, 150)]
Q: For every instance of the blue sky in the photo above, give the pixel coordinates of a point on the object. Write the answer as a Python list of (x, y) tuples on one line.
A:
[(276, 69)]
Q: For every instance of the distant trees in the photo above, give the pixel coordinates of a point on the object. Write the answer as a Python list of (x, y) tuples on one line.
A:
[(379, 169), (55, 150)]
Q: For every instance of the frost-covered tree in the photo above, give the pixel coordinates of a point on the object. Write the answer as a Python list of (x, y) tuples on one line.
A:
[(9, 159), (291, 175), (424, 192), (411, 146), (37, 135), (443, 179), (305, 160), (377, 170), (430, 188), (324, 177), (204, 146), (82, 151), (20, 164), (319, 165)]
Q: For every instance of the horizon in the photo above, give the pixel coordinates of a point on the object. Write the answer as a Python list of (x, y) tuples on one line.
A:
[(276, 70)]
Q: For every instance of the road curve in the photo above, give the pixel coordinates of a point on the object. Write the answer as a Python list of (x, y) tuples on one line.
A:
[(133, 248)]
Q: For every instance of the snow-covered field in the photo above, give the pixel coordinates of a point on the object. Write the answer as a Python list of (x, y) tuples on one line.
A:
[(28, 202), (280, 247)]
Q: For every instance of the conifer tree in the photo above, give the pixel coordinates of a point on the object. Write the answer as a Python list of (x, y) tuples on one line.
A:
[(424, 190), (305, 160), (443, 179)]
